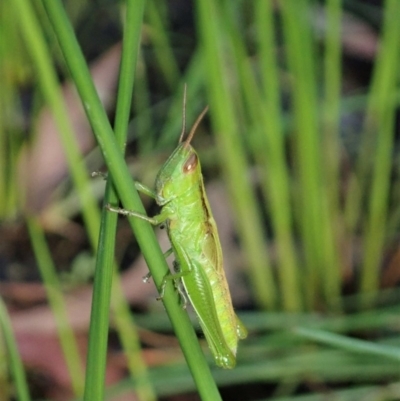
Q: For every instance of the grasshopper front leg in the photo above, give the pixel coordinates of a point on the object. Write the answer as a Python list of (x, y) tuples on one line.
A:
[(155, 220), (145, 190), (138, 185)]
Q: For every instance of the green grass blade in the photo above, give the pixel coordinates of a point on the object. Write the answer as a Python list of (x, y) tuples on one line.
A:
[(267, 145), (381, 119), (51, 90), (273, 158), (130, 198), (13, 62), (350, 344), (232, 154), (142, 107), (335, 233), (193, 77), (98, 335), (16, 367), (311, 197), (162, 47), (123, 320), (57, 304)]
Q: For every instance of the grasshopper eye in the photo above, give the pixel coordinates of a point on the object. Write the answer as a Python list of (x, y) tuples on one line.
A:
[(191, 163)]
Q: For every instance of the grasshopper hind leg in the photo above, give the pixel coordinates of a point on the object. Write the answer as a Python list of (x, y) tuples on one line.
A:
[(223, 356), (179, 288), (167, 277), (240, 329), (179, 285)]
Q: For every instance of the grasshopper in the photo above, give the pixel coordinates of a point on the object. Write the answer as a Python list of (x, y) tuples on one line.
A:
[(186, 214)]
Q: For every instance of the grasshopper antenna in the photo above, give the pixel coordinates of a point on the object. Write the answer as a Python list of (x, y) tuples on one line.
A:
[(195, 125), (184, 114)]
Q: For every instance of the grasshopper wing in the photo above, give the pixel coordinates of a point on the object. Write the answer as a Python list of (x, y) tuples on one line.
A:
[(231, 325), (200, 292)]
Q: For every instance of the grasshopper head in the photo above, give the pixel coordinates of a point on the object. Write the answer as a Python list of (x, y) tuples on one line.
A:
[(182, 169)]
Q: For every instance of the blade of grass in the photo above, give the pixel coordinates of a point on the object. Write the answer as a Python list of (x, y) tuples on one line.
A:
[(130, 198), (98, 334), (273, 157), (381, 119), (284, 355), (12, 70), (359, 182), (297, 52), (383, 392), (16, 367), (162, 47), (270, 371), (51, 91), (142, 108), (335, 234), (268, 150), (123, 320), (350, 344), (193, 77), (231, 152), (331, 101), (315, 220), (57, 304)]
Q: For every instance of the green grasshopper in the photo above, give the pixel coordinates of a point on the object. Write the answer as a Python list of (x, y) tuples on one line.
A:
[(191, 228)]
